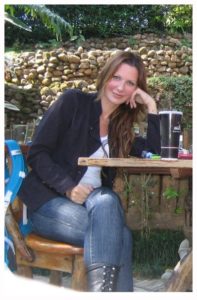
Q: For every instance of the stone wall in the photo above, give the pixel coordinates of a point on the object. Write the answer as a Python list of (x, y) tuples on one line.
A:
[(34, 80)]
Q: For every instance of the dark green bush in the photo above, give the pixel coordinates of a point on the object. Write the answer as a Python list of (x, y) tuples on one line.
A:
[(104, 21), (154, 253), (173, 93)]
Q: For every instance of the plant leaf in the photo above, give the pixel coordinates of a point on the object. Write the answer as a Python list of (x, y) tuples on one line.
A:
[(13, 20)]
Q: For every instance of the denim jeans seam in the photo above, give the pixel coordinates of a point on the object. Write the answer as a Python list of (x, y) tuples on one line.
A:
[(91, 242), (54, 221)]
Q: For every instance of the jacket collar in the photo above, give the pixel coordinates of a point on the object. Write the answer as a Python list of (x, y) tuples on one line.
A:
[(96, 111)]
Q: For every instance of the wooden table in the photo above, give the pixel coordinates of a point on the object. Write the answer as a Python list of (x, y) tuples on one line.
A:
[(182, 275), (177, 168)]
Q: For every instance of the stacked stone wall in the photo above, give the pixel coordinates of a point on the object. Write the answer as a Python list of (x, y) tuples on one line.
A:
[(35, 79)]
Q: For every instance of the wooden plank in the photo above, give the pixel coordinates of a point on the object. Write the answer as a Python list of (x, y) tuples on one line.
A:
[(38, 243), (135, 162), (148, 170), (47, 261), (180, 173)]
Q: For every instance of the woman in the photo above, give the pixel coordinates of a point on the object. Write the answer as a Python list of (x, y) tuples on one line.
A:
[(75, 204)]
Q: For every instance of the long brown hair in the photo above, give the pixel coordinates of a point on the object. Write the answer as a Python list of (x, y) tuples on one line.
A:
[(120, 131)]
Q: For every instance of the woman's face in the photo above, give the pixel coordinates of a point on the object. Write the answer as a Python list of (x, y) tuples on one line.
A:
[(122, 84)]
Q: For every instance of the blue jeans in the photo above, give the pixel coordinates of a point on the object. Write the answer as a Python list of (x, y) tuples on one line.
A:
[(98, 226)]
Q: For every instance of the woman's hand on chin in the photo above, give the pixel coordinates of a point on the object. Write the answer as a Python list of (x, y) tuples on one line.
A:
[(141, 97)]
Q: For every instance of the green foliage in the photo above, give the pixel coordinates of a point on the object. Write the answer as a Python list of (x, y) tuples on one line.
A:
[(131, 41), (170, 193), (179, 18), (99, 21), (16, 22), (78, 39), (51, 20), (113, 20), (186, 42), (51, 44), (152, 255), (179, 210), (173, 93)]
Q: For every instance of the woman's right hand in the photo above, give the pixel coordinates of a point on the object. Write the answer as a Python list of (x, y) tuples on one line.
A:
[(79, 193), (140, 96)]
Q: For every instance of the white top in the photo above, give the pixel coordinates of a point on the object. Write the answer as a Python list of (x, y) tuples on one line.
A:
[(92, 175)]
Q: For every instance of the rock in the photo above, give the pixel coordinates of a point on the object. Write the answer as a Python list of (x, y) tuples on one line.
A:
[(84, 65), (63, 86), (164, 63), (62, 57), (45, 91), (41, 69), (49, 98), (46, 81), (31, 76), (48, 74), (184, 70), (92, 87), (100, 60), (87, 71), (53, 60), (174, 41), (80, 84), (67, 72), (161, 52), (57, 73), (143, 50), (151, 53), (154, 61), (162, 69), (73, 59), (184, 249), (51, 65), (39, 61), (28, 87), (167, 275), (44, 103), (80, 50), (18, 71), (54, 79)]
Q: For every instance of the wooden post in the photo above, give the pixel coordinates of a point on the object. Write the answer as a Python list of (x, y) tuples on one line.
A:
[(187, 138), (79, 274), (25, 271), (55, 277)]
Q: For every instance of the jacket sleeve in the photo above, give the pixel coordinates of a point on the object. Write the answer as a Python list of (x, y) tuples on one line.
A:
[(152, 141), (45, 142)]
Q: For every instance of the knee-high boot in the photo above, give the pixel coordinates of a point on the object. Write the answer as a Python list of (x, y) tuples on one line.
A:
[(102, 278)]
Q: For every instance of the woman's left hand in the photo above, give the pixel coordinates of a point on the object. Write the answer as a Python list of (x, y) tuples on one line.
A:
[(140, 96)]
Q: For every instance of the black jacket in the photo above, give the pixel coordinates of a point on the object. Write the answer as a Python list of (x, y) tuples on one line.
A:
[(68, 130)]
